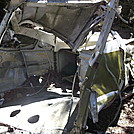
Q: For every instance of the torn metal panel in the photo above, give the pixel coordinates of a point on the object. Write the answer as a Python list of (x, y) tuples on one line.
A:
[(53, 18), (49, 116), (111, 69), (39, 35), (94, 63), (13, 72)]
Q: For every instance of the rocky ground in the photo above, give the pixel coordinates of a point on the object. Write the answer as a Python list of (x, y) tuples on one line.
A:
[(126, 121)]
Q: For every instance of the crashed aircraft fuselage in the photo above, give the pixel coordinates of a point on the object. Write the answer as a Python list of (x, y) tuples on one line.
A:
[(60, 73)]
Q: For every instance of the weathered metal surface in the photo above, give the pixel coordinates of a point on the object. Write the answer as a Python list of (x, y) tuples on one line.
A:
[(93, 66), (54, 18), (49, 116), (93, 106), (37, 41), (12, 66)]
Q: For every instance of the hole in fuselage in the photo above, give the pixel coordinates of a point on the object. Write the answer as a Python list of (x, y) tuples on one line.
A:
[(14, 113), (33, 119)]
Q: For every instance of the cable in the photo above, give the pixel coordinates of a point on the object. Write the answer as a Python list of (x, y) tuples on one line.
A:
[(86, 43), (74, 80), (26, 67), (71, 101)]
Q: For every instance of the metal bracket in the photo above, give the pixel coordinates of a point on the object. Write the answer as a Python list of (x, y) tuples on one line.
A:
[(93, 106)]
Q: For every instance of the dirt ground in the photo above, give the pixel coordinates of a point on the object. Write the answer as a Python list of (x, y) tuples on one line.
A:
[(126, 121)]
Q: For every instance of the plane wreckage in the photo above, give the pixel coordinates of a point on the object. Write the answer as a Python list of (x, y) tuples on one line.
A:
[(63, 70)]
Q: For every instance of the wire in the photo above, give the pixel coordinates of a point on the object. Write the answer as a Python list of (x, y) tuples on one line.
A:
[(74, 80), (26, 67), (87, 41), (71, 101)]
